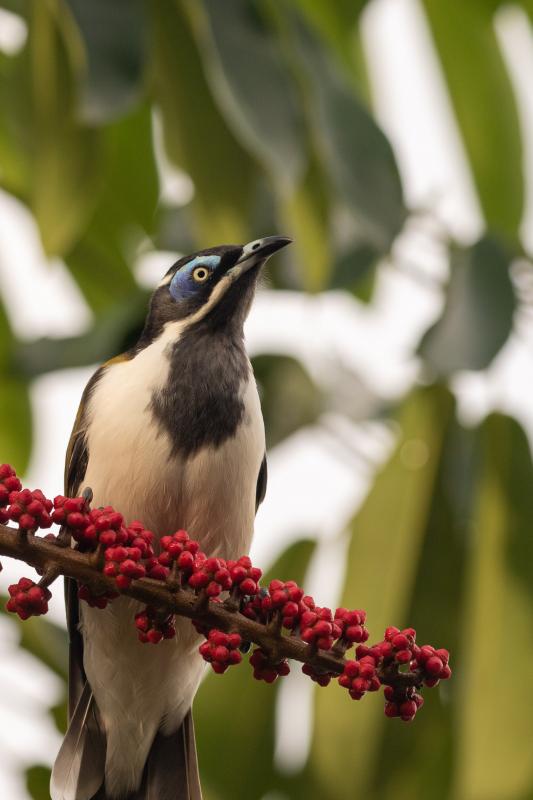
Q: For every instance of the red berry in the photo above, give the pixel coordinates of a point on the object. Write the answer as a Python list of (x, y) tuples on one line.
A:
[(433, 666), (403, 656), (408, 710), (390, 633), (123, 582)]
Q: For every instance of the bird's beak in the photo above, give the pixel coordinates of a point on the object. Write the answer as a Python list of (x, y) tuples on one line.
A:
[(256, 251)]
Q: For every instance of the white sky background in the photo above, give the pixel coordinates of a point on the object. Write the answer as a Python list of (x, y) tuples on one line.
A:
[(314, 482)]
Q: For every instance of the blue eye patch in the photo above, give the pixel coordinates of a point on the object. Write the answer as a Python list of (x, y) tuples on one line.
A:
[(183, 284)]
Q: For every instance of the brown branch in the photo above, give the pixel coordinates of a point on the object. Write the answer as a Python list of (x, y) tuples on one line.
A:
[(51, 559)]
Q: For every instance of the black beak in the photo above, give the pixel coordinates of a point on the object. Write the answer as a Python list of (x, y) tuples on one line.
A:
[(261, 249)]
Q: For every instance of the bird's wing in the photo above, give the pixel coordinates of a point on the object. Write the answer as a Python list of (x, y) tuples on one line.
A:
[(261, 487), (75, 468), (76, 460)]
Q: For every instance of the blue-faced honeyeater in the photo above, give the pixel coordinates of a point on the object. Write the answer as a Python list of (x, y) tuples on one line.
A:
[(169, 433)]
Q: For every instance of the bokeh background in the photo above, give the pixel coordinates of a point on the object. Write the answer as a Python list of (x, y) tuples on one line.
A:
[(393, 343)]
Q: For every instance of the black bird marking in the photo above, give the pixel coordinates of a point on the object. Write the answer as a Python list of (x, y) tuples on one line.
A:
[(201, 404)]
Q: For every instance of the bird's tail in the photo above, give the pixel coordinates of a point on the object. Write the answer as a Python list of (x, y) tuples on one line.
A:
[(79, 767), (170, 771)]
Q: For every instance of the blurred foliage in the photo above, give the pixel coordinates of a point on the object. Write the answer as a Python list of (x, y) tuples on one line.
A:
[(38, 782), (266, 107), (46, 641), (478, 313), (284, 383)]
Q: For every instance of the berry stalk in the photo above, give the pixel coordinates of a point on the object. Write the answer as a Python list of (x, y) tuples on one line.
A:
[(224, 600)]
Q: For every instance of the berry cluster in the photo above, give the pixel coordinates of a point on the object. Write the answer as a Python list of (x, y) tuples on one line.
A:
[(211, 588), (8, 483), (178, 549), (283, 599), (381, 664), (245, 578), (288, 599), (352, 626), (402, 702), (221, 650), (31, 510), (72, 513), (125, 548), (124, 565), (318, 628), (153, 626), (93, 599), (27, 599), (360, 677), (432, 663), (211, 575), (320, 676), (265, 669)]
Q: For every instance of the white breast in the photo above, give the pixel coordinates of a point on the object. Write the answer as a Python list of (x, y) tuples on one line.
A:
[(212, 495)]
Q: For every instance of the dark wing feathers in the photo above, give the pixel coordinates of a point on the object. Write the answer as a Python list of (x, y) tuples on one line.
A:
[(171, 771), (261, 486)]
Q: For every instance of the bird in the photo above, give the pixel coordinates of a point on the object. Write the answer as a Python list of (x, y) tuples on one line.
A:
[(170, 433)]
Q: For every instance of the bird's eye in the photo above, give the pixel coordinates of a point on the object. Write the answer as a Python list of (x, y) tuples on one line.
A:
[(200, 274)]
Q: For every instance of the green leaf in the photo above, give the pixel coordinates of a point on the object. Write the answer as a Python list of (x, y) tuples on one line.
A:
[(130, 192), (59, 713), (495, 725), (306, 212), (66, 156), (478, 313), (47, 642), (114, 35), (253, 85), (355, 153), (387, 536), (16, 428), (125, 215), (407, 754), (196, 136), (19, 7), (15, 409), (485, 106), (354, 270), (233, 763), (43, 639), (336, 23), (14, 122), (289, 397), (100, 269), (38, 782)]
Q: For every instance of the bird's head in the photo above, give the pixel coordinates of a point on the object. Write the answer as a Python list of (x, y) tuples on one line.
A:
[(214, 287)]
